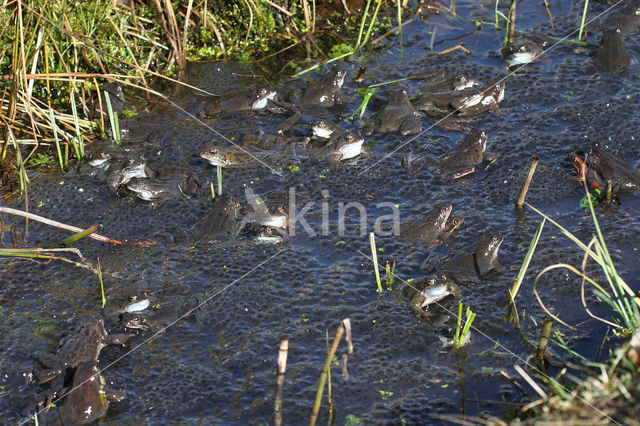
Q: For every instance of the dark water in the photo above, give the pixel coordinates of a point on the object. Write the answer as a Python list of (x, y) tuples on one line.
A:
[(218, 365)]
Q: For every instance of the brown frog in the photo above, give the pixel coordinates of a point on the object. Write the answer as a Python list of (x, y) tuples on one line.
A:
[(428, 228), (436, 290), (316, 99), (241, 101), (612, 56), (462, 159), (471, 267), (468, 102), (397, 115), (221, 221), (87, 400), (84, 344)]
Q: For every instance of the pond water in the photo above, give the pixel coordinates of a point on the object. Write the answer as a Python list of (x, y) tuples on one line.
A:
[(218, 364)]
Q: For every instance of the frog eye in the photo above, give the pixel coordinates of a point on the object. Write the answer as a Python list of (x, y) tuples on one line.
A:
[(431, 281)]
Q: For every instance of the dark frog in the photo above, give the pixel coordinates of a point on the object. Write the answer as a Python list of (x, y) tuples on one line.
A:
[(122, 175), (84, 344), (221, 221), (340, 147), (435, 290), (397, 115), (462, 159), (468, 102), (316, 99), (428, 228), (525, 50), (325, 92), (611, 57), (241, 101), (87, 400), (471, 267)]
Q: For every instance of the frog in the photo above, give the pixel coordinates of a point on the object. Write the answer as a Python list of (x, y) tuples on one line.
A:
[(325, 92), (325, 129), (412, 163), (261, 216), (340, 147), (462, 159), (87, 400), (428, 228), (397, 115), (466, 103), (526, 49), (467, 267), (590, 174), (612, 171), (226, 157), (445, 84), (221, 221), (480, 101), (84, 344), (437, 289), (315, 100), (119, 176), (241, 101), (149, 190), (612, 56)]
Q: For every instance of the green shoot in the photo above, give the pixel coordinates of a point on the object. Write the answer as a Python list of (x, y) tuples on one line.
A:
[(75, 237), (389, 271), (374, 256), (54, 129), (525, 264), (462, 337), (219, 173), (79, 145), (373, 21), (104, 299), (584, 17), (365, 101), (113, 119), (24, 179), (364, 18)]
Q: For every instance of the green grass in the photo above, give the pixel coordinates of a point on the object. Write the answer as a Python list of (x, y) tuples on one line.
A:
[(69, 49), (374, 256)]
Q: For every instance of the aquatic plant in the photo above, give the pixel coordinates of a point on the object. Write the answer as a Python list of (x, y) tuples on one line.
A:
[(462, 331), (374, 257), (610, 386), (345, 327), (104, 299)]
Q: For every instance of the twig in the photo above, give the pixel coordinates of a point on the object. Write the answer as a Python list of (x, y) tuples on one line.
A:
[(280, 8), (69, 227), (527, 181)]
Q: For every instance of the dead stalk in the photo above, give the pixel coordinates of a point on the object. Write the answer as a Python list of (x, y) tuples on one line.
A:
[(527, 181), (282, 367)]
